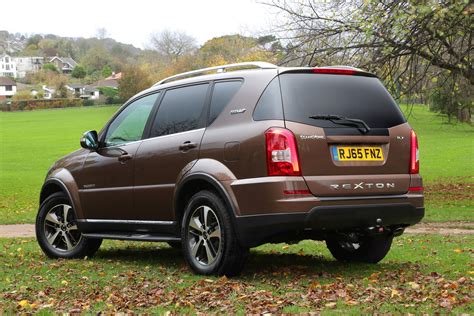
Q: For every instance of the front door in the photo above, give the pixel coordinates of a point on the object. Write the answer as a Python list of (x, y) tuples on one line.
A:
[(173, 147), (106, 182)]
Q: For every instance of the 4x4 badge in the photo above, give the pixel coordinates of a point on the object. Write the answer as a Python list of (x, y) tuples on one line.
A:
[(237, 111)]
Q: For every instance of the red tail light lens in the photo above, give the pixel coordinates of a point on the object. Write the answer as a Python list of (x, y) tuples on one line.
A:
[(414, 154), (282, 154), (334, 71)]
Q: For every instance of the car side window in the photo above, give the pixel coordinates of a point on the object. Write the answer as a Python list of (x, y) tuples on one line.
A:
[(182, 109), (270, 106), (222, 93), (129, 125)]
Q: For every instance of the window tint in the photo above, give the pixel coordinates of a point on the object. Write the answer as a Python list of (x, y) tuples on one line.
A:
[(181, 110), (269, 107), (222, 93), (359, 97), (128, 126)]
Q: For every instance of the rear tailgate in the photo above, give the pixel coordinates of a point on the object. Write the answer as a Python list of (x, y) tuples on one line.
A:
[(341, 160)]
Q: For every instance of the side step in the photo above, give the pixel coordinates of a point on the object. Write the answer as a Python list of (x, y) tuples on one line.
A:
[(137, 237)]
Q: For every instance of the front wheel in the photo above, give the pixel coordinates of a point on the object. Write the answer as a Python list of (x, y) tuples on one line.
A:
[(368, 250), (57, 232), (208, 240)]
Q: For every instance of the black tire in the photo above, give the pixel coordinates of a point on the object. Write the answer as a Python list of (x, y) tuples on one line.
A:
[(230, 257), (63, 229), (370, 249)]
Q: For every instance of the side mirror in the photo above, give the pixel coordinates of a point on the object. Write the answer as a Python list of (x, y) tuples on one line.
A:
[(90, 140)]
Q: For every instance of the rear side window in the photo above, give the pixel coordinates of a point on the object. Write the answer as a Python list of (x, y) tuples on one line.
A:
[(364, 98), (269, 106), (222, 93), (181, 110)]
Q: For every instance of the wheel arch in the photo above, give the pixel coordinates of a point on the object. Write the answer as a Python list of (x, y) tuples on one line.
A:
[(54, 185), (196, 182)]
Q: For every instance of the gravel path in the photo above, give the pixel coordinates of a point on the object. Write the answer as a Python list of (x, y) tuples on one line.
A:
[(444, 228)]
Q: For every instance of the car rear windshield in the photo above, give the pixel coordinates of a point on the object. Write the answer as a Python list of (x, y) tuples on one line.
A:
[(359, 97)]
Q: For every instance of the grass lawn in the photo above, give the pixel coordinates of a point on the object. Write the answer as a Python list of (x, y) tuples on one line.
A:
[(31, 141), (421, 274)]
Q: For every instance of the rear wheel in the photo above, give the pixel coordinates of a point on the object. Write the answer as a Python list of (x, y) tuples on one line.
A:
[(57, 232), (368, 249), (208, 240)]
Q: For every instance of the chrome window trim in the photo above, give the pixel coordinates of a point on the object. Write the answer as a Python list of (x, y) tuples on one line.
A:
[(169, 135)]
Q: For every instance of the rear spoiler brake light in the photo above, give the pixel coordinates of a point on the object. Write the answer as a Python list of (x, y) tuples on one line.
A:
[(335, 71)]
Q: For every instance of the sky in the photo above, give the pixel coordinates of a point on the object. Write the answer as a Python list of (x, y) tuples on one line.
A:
[(132, 21)]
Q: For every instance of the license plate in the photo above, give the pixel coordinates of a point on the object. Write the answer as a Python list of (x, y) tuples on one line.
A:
[(353, 153)]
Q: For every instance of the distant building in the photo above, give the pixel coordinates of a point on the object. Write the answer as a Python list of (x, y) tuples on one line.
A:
[(48, 93), (7, 88), (84, 91), (27, 64), (7, 66), (64, 64), (110, 82)]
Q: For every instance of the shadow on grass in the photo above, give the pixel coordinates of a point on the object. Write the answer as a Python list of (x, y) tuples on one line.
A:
[(260, 264)]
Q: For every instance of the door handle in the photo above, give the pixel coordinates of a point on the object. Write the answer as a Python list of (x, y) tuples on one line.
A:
[(124, 157), (187, 146)]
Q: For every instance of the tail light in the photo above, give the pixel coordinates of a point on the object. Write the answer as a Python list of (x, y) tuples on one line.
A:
[(282, 154), (414, 154)]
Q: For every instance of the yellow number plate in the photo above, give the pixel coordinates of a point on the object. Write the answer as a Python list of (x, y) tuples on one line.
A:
[(351, 153)]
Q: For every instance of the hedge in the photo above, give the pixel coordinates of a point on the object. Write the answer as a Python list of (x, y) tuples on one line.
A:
[(35, 104)]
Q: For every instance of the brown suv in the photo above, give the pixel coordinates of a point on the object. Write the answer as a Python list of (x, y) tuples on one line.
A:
[(219, 160)]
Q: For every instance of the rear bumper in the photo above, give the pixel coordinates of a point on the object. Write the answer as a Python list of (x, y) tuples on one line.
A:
[(322, 221)]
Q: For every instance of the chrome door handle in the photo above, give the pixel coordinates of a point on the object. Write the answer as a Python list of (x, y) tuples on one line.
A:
[(124, 157), (187, 146)]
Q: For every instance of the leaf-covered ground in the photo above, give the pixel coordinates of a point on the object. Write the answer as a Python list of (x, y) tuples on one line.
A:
[(426, 273)]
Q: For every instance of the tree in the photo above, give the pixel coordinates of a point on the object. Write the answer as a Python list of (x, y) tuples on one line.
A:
[(79, 72), (134, 79), (106, 71), (96, 58), (101, 33), (233, 49), (50, 67), (404, 42), (173, 44)]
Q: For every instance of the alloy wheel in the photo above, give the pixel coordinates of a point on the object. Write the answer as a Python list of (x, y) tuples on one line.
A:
[(60, 228), (204, 236)]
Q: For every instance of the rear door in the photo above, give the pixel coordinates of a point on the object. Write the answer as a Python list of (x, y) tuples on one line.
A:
[(344, 160), (171, 149)]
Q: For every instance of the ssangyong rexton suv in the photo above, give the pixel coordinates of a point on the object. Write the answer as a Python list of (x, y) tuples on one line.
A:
[(219, 160)]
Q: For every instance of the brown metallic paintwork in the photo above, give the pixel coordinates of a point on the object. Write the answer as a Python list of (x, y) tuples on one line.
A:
[(158, 163), (106, 184), (320, 170), (156, 167)]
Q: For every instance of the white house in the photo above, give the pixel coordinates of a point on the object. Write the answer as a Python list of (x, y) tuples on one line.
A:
[(27, 64), (84, 91), (64, 64), (7, 66), (7, 88), (48, 93)]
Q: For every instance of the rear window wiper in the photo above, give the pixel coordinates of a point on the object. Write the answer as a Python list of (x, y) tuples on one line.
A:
[(342, 120)]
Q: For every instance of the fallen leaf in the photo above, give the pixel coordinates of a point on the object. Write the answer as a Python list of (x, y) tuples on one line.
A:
[(23, 303)]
